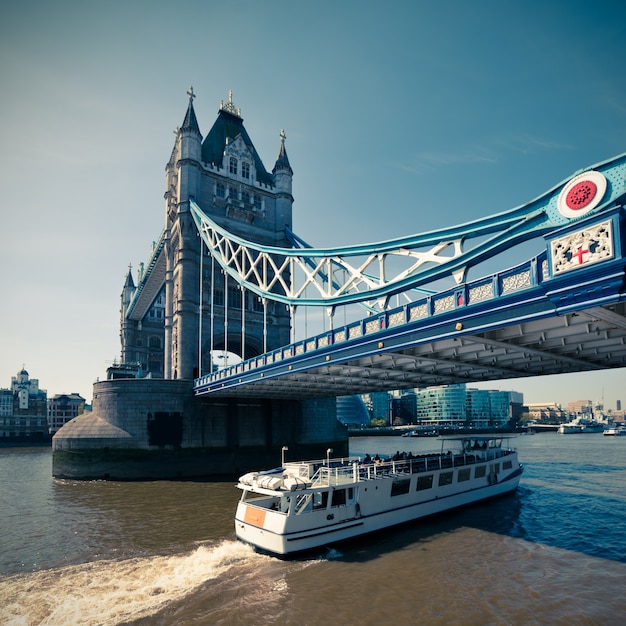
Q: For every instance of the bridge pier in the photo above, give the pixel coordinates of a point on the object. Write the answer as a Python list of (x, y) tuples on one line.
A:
[(147, 429)]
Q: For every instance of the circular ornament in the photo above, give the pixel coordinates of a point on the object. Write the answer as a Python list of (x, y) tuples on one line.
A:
[(582, 194)]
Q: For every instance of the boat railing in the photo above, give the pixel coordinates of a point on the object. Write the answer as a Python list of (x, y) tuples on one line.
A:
[(336, 474), (414, 465), (308, 470), (324, 473)]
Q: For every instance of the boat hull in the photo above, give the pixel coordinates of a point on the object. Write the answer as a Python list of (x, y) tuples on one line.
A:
[(374, 508)]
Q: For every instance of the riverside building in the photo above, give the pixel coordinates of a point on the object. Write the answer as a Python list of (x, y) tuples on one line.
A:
[(62, 408), (23, 411), (455, 405)]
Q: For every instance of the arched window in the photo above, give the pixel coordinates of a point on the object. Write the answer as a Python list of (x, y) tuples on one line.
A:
[(245, 169), (232, 168)]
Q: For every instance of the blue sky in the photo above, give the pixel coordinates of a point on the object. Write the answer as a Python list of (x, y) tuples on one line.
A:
[(400, 117)]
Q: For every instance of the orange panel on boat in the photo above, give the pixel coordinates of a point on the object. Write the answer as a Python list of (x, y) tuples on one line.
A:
[(255, 517)]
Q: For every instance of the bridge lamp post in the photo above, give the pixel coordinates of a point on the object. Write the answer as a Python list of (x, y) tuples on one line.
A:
[(328, 453), (282, 456)]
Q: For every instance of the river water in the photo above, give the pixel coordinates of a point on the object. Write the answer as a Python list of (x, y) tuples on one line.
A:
[(164, 553)]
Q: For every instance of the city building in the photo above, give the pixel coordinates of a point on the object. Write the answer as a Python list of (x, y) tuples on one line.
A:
[(378, 404), (442, 405), (23, 411), (547, 413), (62, 408), (457, 406), (352, 412), (406, 408), (580, 408)]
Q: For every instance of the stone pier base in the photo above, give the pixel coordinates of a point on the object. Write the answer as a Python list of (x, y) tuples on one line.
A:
[(148, 429)]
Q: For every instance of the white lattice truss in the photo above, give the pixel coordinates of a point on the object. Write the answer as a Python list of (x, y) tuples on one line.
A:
[(370, 274)]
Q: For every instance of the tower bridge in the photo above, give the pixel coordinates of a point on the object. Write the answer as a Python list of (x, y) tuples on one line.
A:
[(560, 312), (228, 274)]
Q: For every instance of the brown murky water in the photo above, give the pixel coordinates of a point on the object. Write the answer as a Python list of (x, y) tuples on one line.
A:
[(164, 552)]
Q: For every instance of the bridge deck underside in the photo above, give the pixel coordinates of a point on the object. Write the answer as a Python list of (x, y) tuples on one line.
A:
[(588, 339)]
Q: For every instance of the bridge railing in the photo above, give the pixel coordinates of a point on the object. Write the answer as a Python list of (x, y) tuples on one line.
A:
[(520, 277)]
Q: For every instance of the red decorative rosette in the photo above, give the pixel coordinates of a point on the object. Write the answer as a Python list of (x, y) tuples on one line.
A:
[(582, 194)]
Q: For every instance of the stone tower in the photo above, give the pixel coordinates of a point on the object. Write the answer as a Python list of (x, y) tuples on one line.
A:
[(174, 321)]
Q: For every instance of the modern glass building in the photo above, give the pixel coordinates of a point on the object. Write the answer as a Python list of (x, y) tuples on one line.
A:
[(455, 405), (352, 412), (444, 405)]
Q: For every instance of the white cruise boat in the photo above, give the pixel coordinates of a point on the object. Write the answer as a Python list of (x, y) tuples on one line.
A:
[(309, 504)]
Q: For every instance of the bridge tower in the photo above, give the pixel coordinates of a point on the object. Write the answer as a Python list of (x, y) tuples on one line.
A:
[(225, 176)]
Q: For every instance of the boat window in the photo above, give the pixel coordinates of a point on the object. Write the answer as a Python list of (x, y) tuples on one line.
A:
[(507, 465), (495, 468), (480, 471), (339, 497), (400, 486), (424, 482), (445, 478), (320, 500), (464, 474)]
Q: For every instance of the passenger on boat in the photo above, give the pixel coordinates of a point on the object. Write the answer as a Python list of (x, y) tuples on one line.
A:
[(367, 460)]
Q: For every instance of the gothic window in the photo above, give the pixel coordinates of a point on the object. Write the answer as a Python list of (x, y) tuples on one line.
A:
[(220, 190), (245, 196), (232, 192), (234, 297), (232, 167), (257, 202), (155, 342), (245, 169)]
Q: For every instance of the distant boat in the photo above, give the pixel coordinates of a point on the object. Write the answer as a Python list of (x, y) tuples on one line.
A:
[(308, 504), (581, 426), (569, 428), (615, 431), (423, 431)]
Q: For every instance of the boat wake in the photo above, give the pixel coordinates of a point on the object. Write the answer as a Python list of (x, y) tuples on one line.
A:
[(114, 592)]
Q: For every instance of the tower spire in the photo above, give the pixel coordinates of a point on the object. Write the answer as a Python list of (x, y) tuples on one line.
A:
[(282, 161), (190, 122)]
